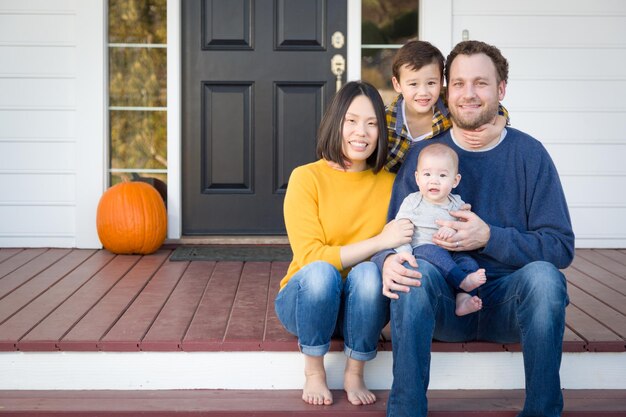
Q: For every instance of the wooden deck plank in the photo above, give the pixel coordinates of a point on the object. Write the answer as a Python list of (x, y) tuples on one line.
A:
[(20, 259), (19, 298), (101, 317), (129, 330), (24, 320), (6, 253), (598, 270), (598, 290), (194, 315), (266, 403), (598, 337), (52, 329), (610, 318), (207, 329), (246, 325), (617, 256), (27, 271), (275, 337), (170, 326), (572, 342)]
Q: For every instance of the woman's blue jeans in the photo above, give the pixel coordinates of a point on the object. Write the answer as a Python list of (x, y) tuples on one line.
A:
[(317, 304), (527, 306)]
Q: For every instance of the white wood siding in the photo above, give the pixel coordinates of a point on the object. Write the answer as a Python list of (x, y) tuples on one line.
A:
[(566, 87), (52, 135)]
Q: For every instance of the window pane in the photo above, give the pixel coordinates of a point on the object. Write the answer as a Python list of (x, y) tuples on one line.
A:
[(138, 139), (158, 181), (388, 21), (137, 21), (376, 69), (138, 77)]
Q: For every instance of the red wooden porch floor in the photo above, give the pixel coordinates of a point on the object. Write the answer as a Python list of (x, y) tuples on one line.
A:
[(89, 300)]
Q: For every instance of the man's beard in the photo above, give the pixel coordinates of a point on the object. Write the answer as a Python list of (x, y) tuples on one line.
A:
[(487, 114)]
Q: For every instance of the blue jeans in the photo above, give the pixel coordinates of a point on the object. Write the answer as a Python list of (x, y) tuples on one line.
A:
[(454, 266), (527, 305), (317, 303)]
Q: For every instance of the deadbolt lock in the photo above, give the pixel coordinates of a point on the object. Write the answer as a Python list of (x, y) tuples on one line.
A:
[(338, 65), (337, 40)]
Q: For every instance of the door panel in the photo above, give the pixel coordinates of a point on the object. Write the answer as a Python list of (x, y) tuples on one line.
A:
[(256, 80)]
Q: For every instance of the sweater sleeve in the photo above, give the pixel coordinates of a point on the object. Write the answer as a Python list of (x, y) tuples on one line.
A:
[(304, 229), (548, 235)]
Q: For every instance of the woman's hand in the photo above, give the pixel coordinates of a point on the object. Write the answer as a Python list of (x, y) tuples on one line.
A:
[(395, 233)]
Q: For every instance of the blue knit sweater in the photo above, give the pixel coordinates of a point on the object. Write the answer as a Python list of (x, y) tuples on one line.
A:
[(516, 190)]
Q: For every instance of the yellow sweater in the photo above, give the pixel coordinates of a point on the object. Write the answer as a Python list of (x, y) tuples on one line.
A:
[(326, 209)]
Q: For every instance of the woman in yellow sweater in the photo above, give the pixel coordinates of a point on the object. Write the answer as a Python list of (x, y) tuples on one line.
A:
[(335, 211)]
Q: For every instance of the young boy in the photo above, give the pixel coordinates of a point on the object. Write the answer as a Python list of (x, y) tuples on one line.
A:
[(420, 112), (436, 176)]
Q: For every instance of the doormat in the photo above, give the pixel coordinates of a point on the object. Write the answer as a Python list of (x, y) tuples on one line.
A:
[(253, 253)]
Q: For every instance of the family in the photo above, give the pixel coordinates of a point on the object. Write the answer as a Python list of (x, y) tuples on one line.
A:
[(459, 237)]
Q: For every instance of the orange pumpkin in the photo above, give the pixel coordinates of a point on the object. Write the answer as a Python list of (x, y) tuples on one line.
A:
[(131, 218)]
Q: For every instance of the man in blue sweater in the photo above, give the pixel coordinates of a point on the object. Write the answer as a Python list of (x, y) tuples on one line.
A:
[(519, 230)]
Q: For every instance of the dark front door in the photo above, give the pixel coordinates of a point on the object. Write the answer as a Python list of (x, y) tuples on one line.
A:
[(256, 80)]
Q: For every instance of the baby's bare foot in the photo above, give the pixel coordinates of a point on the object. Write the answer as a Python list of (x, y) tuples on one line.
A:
[(473, 280), (354, 385), (466, 304)]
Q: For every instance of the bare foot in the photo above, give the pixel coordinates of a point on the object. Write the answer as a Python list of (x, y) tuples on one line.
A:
[(354, 385), (466, 304), (473, 280), (315, 390)]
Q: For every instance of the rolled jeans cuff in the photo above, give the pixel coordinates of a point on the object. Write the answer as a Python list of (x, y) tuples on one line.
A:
[(319, 350), (360, 356)]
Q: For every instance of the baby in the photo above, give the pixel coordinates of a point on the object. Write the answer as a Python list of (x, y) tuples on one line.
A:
[(436, 176)]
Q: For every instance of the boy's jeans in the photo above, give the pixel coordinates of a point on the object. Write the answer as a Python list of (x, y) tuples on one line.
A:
[(527, 305), (317, 304)]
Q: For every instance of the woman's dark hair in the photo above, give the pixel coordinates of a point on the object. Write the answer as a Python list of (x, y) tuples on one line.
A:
[(330, 133)]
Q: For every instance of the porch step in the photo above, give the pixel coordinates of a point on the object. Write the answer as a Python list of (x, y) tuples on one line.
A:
[(276, 403)]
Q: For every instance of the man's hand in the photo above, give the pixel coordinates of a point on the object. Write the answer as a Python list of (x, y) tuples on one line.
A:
[(398, 278), (472, 232)]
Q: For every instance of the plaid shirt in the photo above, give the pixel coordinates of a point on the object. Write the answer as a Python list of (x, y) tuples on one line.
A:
[(398, 140)]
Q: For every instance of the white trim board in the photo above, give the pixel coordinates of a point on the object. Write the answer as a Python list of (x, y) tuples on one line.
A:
[(282, 370), (354, 41), (174, 132), (91, 116)]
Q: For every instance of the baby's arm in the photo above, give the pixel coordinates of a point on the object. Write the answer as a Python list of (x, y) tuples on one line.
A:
[(444, 232)]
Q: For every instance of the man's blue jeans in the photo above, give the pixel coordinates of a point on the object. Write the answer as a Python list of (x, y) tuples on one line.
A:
[(317, 303), (527, 306)]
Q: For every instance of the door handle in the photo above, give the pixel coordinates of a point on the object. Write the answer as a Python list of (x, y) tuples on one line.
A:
[(338, 67)]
